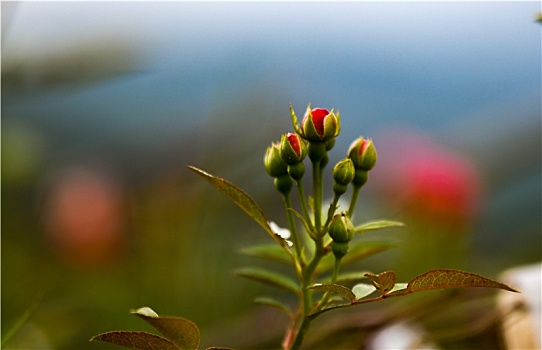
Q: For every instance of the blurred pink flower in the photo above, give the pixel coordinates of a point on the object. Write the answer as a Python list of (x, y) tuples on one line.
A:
[(84, 217), (424, 179)]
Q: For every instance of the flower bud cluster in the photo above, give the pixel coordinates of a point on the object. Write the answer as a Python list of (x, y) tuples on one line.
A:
[(315, 137)]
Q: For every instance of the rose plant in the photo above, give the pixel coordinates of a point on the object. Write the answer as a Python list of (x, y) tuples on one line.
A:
[(318, 243)]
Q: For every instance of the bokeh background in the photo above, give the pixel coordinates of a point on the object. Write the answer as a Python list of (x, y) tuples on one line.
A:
[(105, 103)]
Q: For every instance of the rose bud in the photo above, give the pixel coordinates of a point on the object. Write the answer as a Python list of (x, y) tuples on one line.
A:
[(292, 149), (363, 154), (273, 162), (341, 229), (344, 171), (320, 125)]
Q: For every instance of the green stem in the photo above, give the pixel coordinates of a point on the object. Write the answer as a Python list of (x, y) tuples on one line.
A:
[(303, 201), (331, 211), (293, 227), (307, 302), (317, 193), (334, 277), (353, 200)]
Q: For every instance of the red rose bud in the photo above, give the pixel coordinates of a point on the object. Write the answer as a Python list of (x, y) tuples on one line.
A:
[(273, 162), (341, 229), (319, 124), (292, 149), (363, 154)]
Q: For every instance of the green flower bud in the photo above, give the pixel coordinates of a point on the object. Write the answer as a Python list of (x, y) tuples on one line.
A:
[(344, 171), (340, 249), (341, 229), (363, 154), (319, 125), (296, 171), (292, 149), (283, 184), (273, 162)]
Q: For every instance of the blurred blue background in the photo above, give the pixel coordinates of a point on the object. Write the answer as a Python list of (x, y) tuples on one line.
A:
[(103, 105)]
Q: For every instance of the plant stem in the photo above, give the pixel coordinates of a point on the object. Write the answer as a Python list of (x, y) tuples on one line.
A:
[(303, 201), (353, 200), (334, 277), (307, 302), (317, 193), (293, 227), (331, 211)]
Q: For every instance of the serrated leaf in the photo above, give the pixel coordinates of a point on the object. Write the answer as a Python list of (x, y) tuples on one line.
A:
[(363, 290), (335, 289), (240, 198), (135, 340), (443, 278), (377, 225), (180, 331), (268, 251), (383, 282), (357, 252), (269, 277), (274, 303)]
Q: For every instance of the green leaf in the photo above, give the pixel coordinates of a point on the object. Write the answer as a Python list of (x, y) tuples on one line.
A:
[(268, 251), (274, 303), (269, 277), (377, 225), (383, 282), (180, 331), (363, 290), (442, 279), (335, 289), (136, 340), (240, 198), (357, 252)]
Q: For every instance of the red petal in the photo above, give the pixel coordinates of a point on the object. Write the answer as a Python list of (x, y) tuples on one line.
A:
[(293, 139), (318, 115)]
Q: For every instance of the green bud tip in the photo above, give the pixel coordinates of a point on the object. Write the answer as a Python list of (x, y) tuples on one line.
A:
[(273, 162)]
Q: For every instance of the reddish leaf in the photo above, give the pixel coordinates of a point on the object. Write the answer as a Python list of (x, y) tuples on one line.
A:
[(383, 282), (441, 279), (136, 340), (180, 331)]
